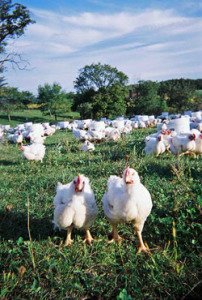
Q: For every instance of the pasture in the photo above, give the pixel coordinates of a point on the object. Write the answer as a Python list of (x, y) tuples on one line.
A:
[(34, 263), (33, 115)]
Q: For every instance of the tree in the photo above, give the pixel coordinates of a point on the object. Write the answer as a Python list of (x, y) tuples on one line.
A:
[(11, 99), (14, 18), (97, 76), (54, 100), (110, 102), (101, 89), (146, 99), (179, 93)]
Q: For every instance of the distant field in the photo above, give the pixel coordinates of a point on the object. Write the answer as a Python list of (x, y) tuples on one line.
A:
[(44, 269), (33, 115)]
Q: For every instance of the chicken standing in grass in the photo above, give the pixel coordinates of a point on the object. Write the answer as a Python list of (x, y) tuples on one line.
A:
[(127, 200), (75, 206)]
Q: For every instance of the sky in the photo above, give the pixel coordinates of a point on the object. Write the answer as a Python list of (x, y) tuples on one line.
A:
[(147, 40)]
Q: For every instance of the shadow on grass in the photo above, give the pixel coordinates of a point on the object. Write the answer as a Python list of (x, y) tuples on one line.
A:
[(4, 162), (14, 225), (163, 171)]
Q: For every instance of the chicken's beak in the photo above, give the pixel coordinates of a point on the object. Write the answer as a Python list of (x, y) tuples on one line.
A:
[(128, 180), (79, 185)]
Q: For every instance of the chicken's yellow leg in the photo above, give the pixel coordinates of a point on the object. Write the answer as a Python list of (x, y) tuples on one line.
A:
[(68, 240), (88, 238), (142, 247), (115, 236), (187, 152)]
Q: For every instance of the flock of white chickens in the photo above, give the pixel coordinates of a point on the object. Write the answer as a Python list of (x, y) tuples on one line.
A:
[(88, 131), (126, 199), (34, 134), (178, 143)]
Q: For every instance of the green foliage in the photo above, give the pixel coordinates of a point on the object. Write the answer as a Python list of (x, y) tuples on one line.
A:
[(123, 295), (197, 100), (2, 80), (86, 110), (103, 270), (148, 101), (11, 99), (54, 100), (178, 93), (101, 91), (109, 102), (14, 18), (96, 76)]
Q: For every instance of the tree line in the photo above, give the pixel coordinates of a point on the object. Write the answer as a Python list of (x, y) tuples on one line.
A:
[(100, 89), (109, 96)]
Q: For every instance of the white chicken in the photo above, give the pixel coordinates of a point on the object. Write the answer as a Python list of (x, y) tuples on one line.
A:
[(16, 137), (164, 126), (1, 134), (48, 131), (127, 200), (198, 149), (36, 139), (33, 152), (155, 145), (75, 206), (113, 134), (87, 146), (184, 144)]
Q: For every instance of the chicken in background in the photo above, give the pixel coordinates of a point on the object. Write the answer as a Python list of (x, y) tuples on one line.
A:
[(15, 138), (33, 152), (87, 146), (198, 149), (183, 144), (155, 145)]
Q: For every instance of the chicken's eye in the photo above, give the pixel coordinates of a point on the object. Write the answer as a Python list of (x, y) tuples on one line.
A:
[(74, 181)]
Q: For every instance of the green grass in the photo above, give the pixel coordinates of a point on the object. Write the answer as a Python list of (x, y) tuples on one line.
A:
[(33, 115), (100, 271)]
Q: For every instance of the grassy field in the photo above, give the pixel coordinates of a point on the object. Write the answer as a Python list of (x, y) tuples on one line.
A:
[(39, 267), (33, 115)]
